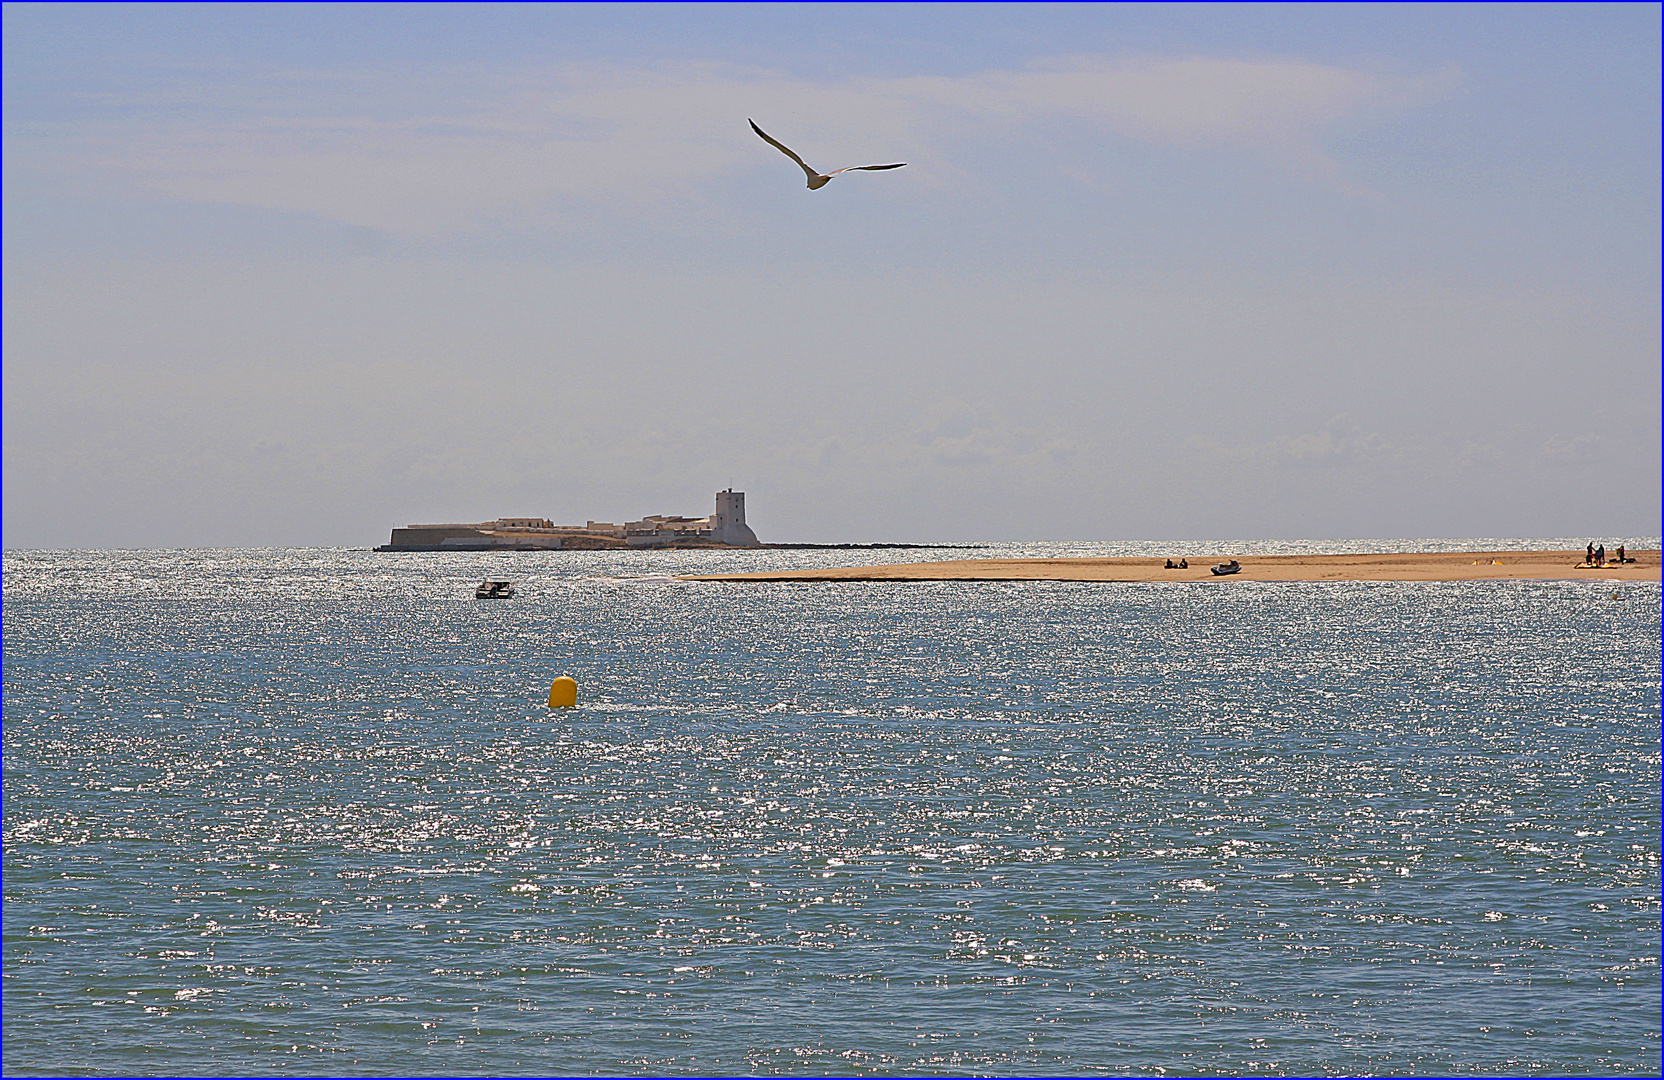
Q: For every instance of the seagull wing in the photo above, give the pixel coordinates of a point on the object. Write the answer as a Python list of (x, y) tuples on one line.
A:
[(780, 146), (875, 168)]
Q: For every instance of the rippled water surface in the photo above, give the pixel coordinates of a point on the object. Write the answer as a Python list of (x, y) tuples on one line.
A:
[(304, 812)]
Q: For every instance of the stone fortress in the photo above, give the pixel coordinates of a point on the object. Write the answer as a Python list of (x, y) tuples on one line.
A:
[(724, 528)]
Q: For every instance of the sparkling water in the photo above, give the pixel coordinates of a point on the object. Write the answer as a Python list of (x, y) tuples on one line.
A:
[(287, 812)]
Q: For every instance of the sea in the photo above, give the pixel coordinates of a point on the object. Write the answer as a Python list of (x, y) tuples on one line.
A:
[(307, 812)]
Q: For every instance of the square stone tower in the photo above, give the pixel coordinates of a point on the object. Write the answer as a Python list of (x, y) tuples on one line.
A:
[(728, 523)]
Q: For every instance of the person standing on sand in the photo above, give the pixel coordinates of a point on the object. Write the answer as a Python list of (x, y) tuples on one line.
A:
[(1600, 555), (1621, 559), (1589, 554)]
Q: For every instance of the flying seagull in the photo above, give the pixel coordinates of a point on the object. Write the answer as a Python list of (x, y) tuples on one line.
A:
[(816, 180)]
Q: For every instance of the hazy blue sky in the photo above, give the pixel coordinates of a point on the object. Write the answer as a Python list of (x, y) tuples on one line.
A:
[(294, 274)]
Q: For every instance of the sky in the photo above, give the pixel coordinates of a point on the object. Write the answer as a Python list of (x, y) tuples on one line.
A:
[(297, 274)]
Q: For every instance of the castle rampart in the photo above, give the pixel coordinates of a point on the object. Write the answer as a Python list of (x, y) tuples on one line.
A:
[(725, 527)]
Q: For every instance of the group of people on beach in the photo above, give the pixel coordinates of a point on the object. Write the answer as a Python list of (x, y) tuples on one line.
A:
[(1597, 555)]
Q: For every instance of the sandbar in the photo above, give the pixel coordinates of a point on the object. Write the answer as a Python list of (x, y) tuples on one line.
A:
[(1420, 566)]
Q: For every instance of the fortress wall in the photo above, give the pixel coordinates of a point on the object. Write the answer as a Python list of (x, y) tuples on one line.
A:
[(433, 537), (726, 527)]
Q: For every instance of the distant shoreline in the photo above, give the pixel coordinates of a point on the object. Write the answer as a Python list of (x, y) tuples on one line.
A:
[(1415, 566), (874, 547), (678, 545)]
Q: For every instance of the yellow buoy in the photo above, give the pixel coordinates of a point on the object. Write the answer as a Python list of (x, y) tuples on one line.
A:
[(563, 693)]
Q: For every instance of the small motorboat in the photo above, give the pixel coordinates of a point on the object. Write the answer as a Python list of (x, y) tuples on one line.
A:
[(494, 590), (1232, 567)]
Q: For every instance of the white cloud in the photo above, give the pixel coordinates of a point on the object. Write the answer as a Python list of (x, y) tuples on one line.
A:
[(473, 146), (1585, 449), (1341, 441), (1277, 107)]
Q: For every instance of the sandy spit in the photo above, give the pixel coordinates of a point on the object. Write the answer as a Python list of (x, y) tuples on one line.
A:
[(1441, 566)]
